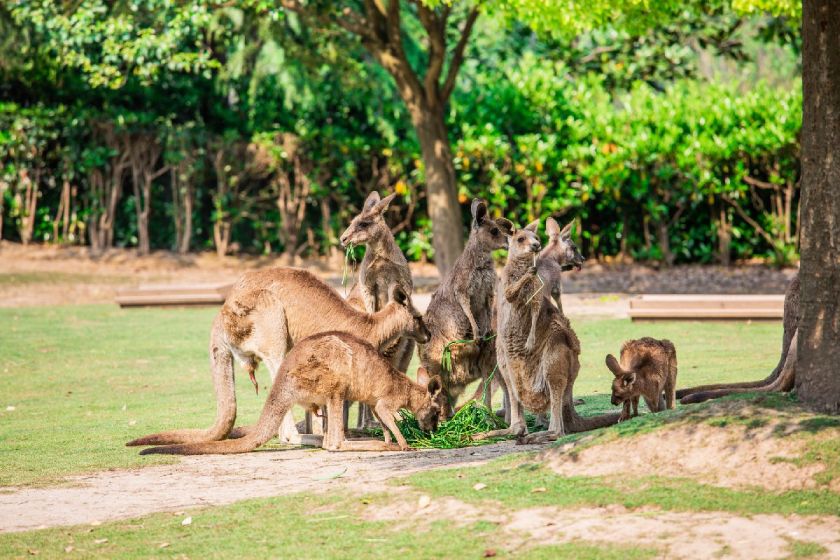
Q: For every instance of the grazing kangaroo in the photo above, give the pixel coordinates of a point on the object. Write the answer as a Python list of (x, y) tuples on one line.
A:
[(782, 378), (325, 370), (538, 377), (266, 313), (648, 369), (462, 307), (383, 267), (559, 255)]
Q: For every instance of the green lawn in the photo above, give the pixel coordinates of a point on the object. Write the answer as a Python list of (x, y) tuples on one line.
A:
[(83, 380)]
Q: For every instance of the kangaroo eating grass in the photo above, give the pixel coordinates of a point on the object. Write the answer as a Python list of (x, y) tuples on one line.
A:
[(266, 313), (782, 378), (560, 254), (383, 267), (538, 359), (325, 370), (648, 369), (461, 308)]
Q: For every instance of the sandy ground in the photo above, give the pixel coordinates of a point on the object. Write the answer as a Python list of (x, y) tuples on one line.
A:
[(689, 535), (47, 275), (218, 479)]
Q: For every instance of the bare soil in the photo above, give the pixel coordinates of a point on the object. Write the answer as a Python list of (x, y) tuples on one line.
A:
[(213, 480), (690, 535), (51, 275), (732, 457)]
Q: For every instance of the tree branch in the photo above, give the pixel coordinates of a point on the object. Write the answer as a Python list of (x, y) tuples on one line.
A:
[(458, 55), (436, 30)]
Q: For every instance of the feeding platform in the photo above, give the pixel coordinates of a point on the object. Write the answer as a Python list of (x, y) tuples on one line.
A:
[(152, 295), (713, 307)]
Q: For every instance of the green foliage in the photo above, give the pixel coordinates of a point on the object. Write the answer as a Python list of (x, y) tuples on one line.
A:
[(599, 118)]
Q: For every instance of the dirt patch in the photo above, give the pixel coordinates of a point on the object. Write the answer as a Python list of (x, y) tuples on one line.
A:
[(732, 456), (678, 535), (50, 275), (694, 535), (216, 480)]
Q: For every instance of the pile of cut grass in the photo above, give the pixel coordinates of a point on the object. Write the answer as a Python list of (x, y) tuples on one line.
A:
[(473, 418)]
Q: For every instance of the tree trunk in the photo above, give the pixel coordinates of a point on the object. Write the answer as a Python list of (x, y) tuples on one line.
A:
[(442, 199), (818, 376), (724, 235)]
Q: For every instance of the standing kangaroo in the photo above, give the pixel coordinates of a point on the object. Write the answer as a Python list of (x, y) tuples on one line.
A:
[(536, 349), (462, 307), (383, 267), (648, 369), (325, 370), (560, 254), (266, 313)]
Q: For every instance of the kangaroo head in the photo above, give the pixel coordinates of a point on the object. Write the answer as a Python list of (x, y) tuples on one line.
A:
[(370, 224), (524, 243), (560, 247), (624, 384), (429, 412), (491, 234), (418, 331)]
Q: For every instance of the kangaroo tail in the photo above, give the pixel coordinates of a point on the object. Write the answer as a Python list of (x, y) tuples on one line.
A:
[(577, 423), (783, 382), (278, 404), (790, 321), (221, 364)]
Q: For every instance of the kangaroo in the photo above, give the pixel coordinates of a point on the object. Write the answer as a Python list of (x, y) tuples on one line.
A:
[(648, 369), (782, 378), (541, 377), (559, 255), (383, 267), (462, 306), (325, 370), (266, 313)]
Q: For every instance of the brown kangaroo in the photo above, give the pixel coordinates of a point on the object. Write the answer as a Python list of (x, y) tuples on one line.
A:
[(648, 369), (266, 313), (537, 376), (383, 267), (462, 307), (559, 255), (325, 370), (782, 378)]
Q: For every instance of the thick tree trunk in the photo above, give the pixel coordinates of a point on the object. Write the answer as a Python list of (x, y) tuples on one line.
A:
[(442, 194), (818, 374)]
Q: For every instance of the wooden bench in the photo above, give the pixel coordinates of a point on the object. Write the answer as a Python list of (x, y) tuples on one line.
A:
[(707, 307), (174, 295)]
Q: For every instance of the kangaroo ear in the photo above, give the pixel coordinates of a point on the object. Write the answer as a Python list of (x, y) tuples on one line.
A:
[(479, 211), (422, 376), (533, 226), (371, 200), (552, 228), (566, 232), (398, 294), (435, 386), (630, 378), (612, 365), (382, 205), (505, 225)]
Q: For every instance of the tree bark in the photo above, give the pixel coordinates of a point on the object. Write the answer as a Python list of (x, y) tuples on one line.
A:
[(442, 195), (818, 376)]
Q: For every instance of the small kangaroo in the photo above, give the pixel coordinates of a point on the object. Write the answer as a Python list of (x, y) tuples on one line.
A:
[(382, 267), (266, 313), (462, 308), (325, 370), (559, 255), (537, 356), (648, 368)]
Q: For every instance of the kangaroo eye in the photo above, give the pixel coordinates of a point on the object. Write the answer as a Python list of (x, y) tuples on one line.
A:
[(494, 231), (521, 238), (365, 223)]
